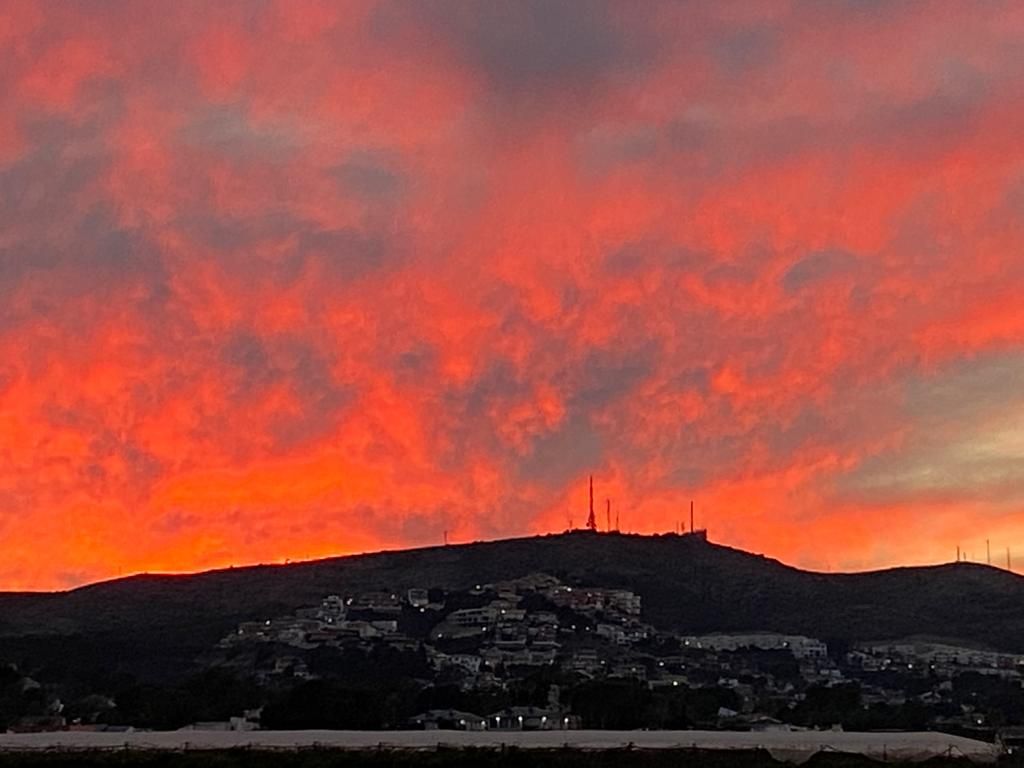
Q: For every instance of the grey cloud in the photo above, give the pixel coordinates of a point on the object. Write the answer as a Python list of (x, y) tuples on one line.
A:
[(1013, 201), (563, 454), (497, 382), (49, 179), (600, 379), (971, 391), (607, 148), (809, 425), (695, 460), (372, 176), (708, 141), (641, 256), (878, 9), (266, 363), (536, 45), (226, 233), (350, 253), (942, 473), (818, 267), (60, 233), (247, 353), (962, 442), (142, 468), (346, 253), (92, 254), (230, 131), (742, 51), (104, 253), (944, 117), (465, 407), (631, 259), (731, 274), (698, 379), (321, 397), (415, 363), (137, 468), (606, 375), (692, 132)]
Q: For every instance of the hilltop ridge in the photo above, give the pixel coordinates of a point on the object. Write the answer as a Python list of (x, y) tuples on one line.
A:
[(687, 584)]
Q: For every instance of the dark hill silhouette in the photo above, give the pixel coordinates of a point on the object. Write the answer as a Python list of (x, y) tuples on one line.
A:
[(687, 584)]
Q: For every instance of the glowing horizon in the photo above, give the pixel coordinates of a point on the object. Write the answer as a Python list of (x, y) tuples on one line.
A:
[(285, 280)]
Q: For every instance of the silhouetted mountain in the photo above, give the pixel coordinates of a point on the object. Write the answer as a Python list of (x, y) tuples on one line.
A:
[(686, 583)]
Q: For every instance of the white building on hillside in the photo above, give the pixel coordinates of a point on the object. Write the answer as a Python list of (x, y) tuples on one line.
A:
[(800, 646)]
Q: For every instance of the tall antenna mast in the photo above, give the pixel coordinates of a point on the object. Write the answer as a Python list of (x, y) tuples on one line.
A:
[(692, 529), (591, 521), (958, 553), (608, 515)]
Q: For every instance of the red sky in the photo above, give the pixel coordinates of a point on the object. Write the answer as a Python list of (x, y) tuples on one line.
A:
[(287, 280)]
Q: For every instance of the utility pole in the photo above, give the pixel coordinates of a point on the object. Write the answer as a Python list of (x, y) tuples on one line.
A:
[(608, 515), (692, 529), (958, 553)]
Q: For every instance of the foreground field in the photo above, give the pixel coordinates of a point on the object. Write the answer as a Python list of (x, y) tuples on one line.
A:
[(511, 757), (795, 746)]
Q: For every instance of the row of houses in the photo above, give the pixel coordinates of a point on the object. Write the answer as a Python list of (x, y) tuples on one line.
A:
[(590, 600), (800, 646), (309, 633), (509, 719), (934, 657)]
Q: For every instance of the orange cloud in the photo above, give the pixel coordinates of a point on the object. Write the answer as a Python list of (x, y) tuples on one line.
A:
[(297, 279)]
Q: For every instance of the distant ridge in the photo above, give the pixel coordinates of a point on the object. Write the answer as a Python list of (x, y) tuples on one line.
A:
[(687, 584)]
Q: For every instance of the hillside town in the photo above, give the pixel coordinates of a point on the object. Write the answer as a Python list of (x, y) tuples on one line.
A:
[(536, 653), (487, 641)]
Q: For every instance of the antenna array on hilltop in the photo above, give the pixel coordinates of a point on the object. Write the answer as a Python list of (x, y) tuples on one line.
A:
[(591, 525), (592, 516), (963, 556)]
